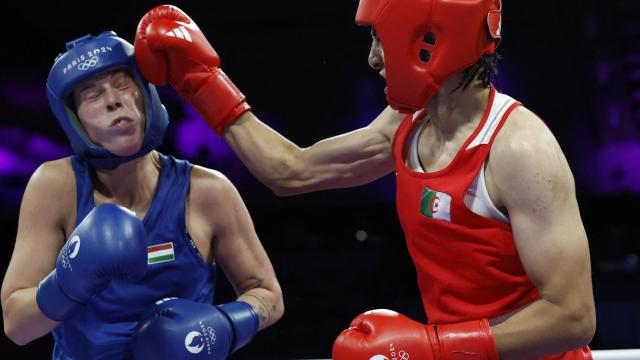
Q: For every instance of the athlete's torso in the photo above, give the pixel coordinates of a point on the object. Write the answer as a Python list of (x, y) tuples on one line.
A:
[(465, 255), (476, 197), (103, 327), (442, 234)]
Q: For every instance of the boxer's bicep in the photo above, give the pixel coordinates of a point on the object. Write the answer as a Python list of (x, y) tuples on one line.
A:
[(40, 232), (355, 158), (536, 187), (39, 238), (547, 227), (351, 159), (237, 248)]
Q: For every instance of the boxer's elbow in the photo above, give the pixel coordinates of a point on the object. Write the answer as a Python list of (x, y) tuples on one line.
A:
[(279, 311), (283, 189), (21, 321), (14, 334), (582, 323), (278, 304), (9, 324), (291, 177), (16, 339), (588, 325), (289, 189)]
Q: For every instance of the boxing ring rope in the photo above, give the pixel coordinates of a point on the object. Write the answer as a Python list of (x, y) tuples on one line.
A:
[(626, 354)]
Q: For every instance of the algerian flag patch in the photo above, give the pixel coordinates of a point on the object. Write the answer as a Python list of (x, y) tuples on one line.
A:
[(160, 253), (435, 205)]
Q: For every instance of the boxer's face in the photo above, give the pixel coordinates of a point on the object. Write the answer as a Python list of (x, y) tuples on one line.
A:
[(110, 107), (376, 55)]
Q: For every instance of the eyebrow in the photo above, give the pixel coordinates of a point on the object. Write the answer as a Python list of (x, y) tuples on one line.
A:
[(83, 87), (89, 83)]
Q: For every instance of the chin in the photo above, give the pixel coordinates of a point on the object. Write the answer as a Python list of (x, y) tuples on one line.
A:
[(127, 145), (126, 150), (123, 153)]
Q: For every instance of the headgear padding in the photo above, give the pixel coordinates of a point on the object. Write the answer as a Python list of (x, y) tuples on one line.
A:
[(427, 41), (87, 56)]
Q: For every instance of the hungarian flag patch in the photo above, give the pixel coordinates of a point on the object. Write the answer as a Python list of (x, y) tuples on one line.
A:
[(160, 253)]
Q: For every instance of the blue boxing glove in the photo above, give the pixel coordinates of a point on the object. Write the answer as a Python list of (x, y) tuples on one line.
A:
[(183, 329), (110, 243)]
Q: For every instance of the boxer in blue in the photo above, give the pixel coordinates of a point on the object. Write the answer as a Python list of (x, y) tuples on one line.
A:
[(117, 245)]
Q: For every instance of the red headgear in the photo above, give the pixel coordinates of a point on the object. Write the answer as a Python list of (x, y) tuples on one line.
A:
[(427, 41)]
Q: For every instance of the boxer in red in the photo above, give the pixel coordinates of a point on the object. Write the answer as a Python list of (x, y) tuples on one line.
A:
[(485, 195)]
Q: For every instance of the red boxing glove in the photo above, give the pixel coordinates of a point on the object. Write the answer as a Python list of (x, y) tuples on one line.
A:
[(169, 46), (388, 335)]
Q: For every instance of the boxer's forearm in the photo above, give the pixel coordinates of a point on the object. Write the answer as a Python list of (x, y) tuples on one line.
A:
[(542, 328), (266, 303), (23, 320), (351, 159), (268, 155)]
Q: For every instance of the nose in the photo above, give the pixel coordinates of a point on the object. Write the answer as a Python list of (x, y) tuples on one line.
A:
[(112, 98), (376, 55)]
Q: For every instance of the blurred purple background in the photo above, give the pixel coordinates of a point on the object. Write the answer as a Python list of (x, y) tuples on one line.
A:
[(303, 67)]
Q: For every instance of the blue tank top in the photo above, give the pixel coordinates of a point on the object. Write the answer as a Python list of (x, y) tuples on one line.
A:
[(103, 328)]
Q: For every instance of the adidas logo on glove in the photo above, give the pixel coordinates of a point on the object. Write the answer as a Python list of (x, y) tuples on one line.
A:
[(180, 32)]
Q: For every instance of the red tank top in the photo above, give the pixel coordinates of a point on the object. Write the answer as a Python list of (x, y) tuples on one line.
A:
[(467, 265)]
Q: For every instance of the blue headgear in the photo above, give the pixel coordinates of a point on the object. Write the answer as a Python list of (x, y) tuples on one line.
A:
[(85, 57)]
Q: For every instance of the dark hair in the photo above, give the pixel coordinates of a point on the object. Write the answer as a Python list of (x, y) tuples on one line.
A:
[(484, 69)]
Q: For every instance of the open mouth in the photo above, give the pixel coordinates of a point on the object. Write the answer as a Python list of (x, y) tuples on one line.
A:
[(121, 121)]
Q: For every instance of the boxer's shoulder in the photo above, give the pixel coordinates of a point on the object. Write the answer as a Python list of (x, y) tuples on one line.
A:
[(387, 122), (55, 177), (209, 190), (523, 133), (525, 157), (208, 180), (57, 167), (52, 191)]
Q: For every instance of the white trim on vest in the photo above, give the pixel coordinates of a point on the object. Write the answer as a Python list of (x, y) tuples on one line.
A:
[(501, 104)]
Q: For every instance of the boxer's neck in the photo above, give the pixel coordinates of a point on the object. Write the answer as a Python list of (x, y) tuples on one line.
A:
[(132, 184), (451, 109)]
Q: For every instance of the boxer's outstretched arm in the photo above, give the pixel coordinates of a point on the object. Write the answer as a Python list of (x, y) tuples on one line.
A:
[(39, 239), (351, 159), (533, 181), (193, 68)]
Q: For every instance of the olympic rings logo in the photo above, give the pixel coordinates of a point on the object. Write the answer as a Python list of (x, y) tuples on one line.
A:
[(403, 356), (88, 63)]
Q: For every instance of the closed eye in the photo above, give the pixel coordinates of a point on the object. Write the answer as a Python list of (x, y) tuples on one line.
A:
[(121, 81), (122, 84), (91, 93)]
